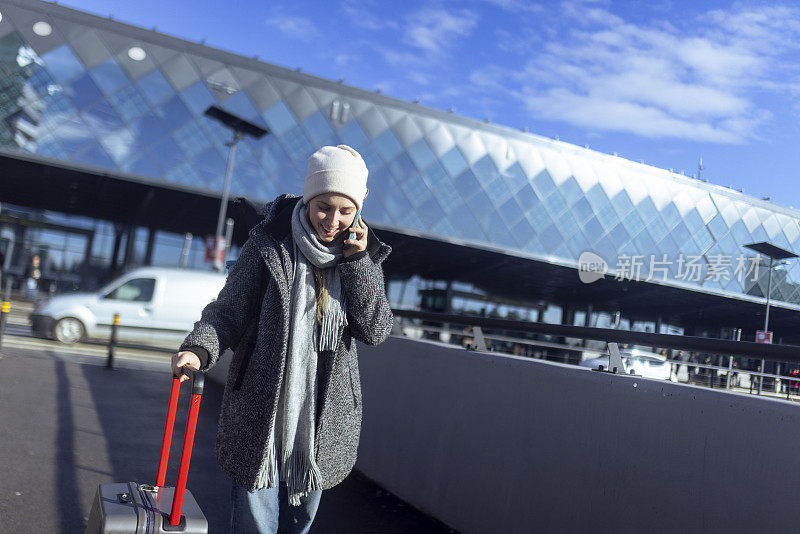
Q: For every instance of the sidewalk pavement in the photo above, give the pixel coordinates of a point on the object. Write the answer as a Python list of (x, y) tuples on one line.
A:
[(67, 427)]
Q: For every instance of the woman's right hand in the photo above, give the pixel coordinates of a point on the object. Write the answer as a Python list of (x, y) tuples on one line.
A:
[(181, 359)]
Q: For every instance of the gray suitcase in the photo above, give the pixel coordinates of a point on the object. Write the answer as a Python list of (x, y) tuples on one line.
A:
[(130, 507)]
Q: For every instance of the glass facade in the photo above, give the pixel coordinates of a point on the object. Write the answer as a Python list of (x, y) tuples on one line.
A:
[(109, 95)]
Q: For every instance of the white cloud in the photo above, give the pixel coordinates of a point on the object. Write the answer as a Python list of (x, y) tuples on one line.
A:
[(613, 114), (360, 14), (700, 82), (515, 5), (292, 26), (435, 30)]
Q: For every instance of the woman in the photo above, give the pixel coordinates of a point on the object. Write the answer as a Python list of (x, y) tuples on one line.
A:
[(299, 293)]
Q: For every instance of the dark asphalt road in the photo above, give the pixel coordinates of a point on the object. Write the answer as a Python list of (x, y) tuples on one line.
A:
[(66, 427)]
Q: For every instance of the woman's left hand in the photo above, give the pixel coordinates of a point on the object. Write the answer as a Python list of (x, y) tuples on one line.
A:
[(351, 246)]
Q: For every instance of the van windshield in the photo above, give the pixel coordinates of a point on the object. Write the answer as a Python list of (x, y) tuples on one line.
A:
[(134, 290)]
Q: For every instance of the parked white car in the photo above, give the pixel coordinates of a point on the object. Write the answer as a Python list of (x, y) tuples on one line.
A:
[(157, 306), (646, 364)]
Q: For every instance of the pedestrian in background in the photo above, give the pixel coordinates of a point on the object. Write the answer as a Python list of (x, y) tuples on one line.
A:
[(33, 274), (299, 293)]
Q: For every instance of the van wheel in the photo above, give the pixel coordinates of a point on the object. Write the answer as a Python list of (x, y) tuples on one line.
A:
[(68, 330)]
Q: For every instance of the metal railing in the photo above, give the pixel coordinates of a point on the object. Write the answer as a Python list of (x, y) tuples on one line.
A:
[(418, 323)]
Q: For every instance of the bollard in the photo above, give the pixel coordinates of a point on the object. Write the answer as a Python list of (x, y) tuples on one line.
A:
[(112, 342), (5, 307)]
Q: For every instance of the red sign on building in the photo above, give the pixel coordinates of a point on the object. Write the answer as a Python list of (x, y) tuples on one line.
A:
[(763, 337)]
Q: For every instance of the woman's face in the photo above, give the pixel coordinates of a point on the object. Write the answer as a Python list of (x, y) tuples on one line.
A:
[(330, 215)]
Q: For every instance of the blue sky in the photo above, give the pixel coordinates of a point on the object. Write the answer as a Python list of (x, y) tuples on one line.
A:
[(665, 82)]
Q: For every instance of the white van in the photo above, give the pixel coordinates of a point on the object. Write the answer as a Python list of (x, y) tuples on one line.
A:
[(157, 306)]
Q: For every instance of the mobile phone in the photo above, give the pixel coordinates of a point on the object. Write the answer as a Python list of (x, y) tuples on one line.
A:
[(355, 223)]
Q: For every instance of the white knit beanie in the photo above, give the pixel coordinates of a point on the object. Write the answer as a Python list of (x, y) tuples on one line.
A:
[(336, 169)]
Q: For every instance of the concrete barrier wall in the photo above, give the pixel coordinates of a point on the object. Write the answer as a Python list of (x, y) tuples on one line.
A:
[(490, 443)]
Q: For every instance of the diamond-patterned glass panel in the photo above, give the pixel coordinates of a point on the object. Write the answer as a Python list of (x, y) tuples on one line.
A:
[(454, 162), (430, 212), (88, 100), (570, 190), (387, 145), (155, 88), (180, 72), (510, 212), (465, 223), (421, 154), (83, 92), (319, 130), (581, 210), (129, 103), (109, 76), (279, 119), (486, 171), (353, 135), (240, 105), (63, 64)]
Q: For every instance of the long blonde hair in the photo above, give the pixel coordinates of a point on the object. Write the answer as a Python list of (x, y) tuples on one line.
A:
[(321, 287)]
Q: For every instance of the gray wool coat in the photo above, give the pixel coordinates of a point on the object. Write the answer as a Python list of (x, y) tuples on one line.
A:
[(256, 328)]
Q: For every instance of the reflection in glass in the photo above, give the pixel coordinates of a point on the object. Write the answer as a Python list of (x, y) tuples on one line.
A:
[(387, 145), (279, 119), (155, 87), (498, 191), (197, 98), (543, 184), (129, 103), (353, 135), (297, 145), (430, 212), (240, 105), (527, 198), (62, 63), (454, 162), (523, 232), (485, 170), (174, 113), (148, 129), (185, 174), (167, 153), (272, 155), (515, 177), (144, 164), (421, 154), (550, 238), (191, 139), (567, 225), (95, 155), (83, 92), (447, 196), (73, 134), (510, 212), (319, 131), (109, 76), (102, 118)]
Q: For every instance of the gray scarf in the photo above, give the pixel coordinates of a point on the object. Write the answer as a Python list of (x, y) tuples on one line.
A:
[(295, 419)]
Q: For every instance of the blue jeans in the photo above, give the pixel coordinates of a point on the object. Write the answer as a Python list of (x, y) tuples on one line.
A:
[(258, 513)]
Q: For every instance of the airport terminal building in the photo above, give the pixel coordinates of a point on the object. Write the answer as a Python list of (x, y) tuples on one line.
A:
[(108, 161)]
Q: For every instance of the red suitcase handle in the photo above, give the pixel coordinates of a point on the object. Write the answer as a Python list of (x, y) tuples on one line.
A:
[(188, 440)]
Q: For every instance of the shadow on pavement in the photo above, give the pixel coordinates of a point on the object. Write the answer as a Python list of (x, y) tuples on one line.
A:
[(77, 425), (132, 418), (69, 511), (131, 408)]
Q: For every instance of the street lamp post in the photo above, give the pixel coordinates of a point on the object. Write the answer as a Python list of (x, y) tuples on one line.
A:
[(773, 253), (241, 128)]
